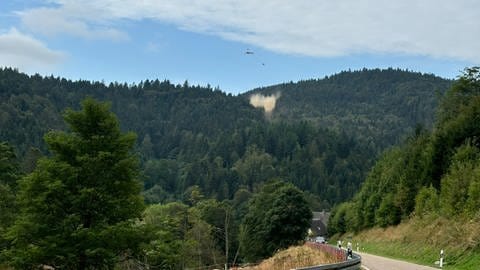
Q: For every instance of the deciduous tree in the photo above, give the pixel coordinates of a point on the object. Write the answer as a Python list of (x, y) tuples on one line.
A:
[(278, 216)]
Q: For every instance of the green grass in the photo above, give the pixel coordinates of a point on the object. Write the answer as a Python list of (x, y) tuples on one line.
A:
[(424, 255), (420, 241)]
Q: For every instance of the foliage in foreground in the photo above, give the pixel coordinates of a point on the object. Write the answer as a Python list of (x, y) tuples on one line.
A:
[(76, 209), (206, 232), (81, 209), (278, 217)]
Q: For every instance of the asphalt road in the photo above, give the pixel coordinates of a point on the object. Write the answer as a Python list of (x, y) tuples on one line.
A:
[(373, 262)]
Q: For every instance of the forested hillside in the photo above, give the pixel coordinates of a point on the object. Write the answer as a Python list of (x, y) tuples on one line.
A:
[(223, 182), (433, 173), (377, 106), (323, 137)]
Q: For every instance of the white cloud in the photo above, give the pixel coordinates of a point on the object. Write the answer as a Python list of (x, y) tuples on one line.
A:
[(69, 20), (434, 28), (26, 53)]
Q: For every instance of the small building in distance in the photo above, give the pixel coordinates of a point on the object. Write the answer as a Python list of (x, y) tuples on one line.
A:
[(318, 227)]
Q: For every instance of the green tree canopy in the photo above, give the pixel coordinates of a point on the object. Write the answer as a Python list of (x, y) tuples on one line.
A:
[(181, 239), (278, 217), (77, 206)]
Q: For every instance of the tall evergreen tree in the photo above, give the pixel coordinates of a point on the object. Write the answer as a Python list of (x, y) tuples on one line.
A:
[(77, 207)]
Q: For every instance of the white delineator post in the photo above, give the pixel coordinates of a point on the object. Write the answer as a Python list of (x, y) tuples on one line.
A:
[(441, 258)]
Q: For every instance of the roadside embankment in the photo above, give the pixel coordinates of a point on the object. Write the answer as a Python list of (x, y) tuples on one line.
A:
[(295, 257), (420, 240)]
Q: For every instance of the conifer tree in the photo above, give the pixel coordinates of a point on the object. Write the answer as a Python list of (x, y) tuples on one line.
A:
[(78, 206)]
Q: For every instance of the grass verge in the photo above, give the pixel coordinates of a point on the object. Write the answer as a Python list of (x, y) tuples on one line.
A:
[(420, 241)]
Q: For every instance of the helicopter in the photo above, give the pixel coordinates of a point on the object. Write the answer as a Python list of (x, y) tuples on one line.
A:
[(250, 52)]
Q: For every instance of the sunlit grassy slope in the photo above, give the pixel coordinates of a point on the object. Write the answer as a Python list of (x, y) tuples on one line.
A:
[(420, 240), (294, 257)]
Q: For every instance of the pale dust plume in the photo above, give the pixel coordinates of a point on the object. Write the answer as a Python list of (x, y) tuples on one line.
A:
[(266, 102)]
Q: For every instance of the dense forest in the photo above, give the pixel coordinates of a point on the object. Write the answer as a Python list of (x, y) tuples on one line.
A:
[(220, 181), (379, 107), (81, 208), (433, 172), (323, 136)]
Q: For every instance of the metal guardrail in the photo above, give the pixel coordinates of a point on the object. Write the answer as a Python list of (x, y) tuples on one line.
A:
[(347, 264)]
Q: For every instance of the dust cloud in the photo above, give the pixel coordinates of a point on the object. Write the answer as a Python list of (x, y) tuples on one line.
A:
[(266, 102)]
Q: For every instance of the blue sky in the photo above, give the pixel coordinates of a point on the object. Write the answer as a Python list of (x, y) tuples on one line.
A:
[(204, 41)]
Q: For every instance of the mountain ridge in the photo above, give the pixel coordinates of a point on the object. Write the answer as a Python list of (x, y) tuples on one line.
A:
[(363, 98), (198, 136)]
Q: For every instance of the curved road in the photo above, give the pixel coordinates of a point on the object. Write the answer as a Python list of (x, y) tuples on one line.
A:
[(373, 262)]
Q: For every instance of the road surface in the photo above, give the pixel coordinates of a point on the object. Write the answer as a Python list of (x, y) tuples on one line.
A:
[(373, 262)]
